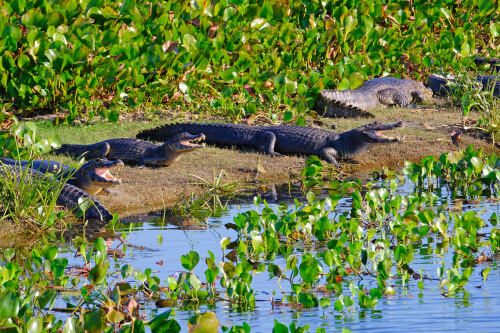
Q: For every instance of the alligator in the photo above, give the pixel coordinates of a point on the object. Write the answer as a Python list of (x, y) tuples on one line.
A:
[(373, 94), (135, 151), (68, 197), (439, 83), (277, 140), (93, 176)]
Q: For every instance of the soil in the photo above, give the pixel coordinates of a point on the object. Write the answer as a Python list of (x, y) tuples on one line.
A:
[(143, 190)]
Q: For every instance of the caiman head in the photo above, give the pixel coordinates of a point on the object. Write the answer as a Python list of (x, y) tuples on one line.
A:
[(374, 132), (363, 137), (177, 145), (95, 175), (421, 92)]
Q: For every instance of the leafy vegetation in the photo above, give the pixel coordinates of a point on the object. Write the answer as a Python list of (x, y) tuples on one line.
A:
[(375, 234), (27, 200), (231, 57)]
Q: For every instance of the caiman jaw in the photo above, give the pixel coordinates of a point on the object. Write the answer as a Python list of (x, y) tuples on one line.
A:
[(191, 143), (377, 135), (104, 175)]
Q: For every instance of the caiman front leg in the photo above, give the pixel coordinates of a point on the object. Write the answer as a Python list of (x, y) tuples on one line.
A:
[(98, 150), (329, 154), (390, 96), (266, 142)]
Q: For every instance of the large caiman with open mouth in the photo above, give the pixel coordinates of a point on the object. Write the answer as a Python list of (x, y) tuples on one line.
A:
[(93, 176), (135, 151), (277, 140), (68, 197)]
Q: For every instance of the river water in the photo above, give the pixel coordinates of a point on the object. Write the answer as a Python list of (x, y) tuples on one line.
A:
[(474, 309)]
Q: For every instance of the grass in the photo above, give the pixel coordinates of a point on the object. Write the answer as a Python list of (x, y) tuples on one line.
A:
[(27, 200), (146, 189)]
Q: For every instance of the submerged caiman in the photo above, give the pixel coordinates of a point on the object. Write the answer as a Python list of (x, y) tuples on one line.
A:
[(93, 176), (277, 140), (135, 151), (374, 94), (69, 196)]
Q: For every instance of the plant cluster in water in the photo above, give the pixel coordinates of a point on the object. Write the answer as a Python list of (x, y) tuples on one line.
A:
[(331, 253)]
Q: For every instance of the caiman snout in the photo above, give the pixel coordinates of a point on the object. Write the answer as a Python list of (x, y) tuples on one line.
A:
[(187, 142), (375, 132)]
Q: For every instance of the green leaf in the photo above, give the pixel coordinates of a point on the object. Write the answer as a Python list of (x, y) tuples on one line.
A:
[(325, 302), (11, 31), (113, 116), (161, 324), (49, 252), (189, 42), (267, 11), (95, 321), (190, 260), (9, 305), (98, 274), (228, 13), (229, 74), (495, 29), (203, 323)]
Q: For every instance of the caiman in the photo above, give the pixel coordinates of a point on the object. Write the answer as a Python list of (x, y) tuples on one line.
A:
[(69, 196), (373, 94), (277, 140), (93, 176), (133, 151)]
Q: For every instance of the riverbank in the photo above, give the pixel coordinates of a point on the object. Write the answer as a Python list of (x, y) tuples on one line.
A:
[(427, 132)]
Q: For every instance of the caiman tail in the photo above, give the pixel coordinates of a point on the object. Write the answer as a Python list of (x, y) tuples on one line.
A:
[(69, 198), (343, 103), (88, 151), (224, 134)]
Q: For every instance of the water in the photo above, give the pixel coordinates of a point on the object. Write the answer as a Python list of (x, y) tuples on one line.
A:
[(471, 310)]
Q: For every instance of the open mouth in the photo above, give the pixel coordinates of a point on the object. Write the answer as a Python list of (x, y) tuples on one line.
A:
[(106, 174), (194, 142), (381, 134)]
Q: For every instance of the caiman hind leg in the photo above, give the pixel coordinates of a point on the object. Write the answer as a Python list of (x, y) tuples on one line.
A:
[(266, 142), (329, 154)]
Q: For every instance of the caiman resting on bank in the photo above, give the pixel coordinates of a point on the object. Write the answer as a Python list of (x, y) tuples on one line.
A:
[(277, 140), (374, 94), (92, 177), (135, 151), (69, 196)]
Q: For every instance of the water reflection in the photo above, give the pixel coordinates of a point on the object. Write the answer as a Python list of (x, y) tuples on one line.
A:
[(165, 237)]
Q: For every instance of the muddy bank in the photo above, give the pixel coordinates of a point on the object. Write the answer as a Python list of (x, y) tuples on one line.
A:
[(148, 189)]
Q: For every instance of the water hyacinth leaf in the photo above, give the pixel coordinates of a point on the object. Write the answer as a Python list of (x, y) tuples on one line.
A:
[(141, 276), (113, 116), (161, 324), (49, 252), (325, 302), (229, 12), (9, 305), (190, 260), (13, 31), (195, 282), (95, 321), (85, 203), (229, 74), (204, 323), (98, 274), (495, 29), (308, 271)]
